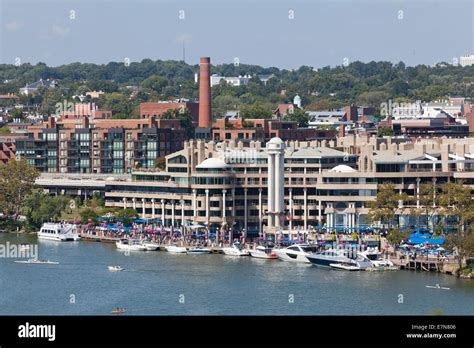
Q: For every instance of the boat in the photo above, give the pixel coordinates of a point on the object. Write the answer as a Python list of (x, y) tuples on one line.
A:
[(263, 252), (130, 245), (236, 250), (58, 232), (199, 250), (175, 249), (375, 257), (115, 268), (345, 266), (38, 262), (150, 246), (333, 256), (118, 311), (296, 252), (437, 286)]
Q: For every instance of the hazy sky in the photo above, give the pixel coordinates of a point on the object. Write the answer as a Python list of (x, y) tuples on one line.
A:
[(321, 32)]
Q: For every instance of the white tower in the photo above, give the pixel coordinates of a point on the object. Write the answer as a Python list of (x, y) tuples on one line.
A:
[(276, 181), (297, 101)]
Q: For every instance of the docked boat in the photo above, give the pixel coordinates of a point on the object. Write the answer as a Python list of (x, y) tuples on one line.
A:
[(296, 253), (150, 246), (345, 266), (199, 250), (236, 250), (115, 268), (262, 252), (58, 232), (38, 262), (375, 257), (130, 245), (338, 256), (176, 249)]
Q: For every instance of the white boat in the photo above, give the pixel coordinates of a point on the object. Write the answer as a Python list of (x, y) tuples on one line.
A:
[(236, 250), (345, 266), (199, 250), (437, 286), (150, 246), (58, 232), (262, 252), (130, 245), (296, 253), (325, 258), (375, 257), (115, 268), (175, 249), (38, 262)]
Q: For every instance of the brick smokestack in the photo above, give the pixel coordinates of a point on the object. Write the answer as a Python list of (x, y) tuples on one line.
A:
[(205, 118)]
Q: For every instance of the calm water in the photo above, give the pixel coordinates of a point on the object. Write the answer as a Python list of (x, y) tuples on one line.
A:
[(211, 284)]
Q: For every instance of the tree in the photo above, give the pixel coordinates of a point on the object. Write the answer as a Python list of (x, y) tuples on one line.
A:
[(383, 208), (127, 216), (455, 200), (385, 131), (17, 180), (185, 118), (255, 111), (299, 116), (88, 215), (40, 207)]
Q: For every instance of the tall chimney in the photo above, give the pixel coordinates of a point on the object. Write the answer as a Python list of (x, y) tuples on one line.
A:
[(205, 118)]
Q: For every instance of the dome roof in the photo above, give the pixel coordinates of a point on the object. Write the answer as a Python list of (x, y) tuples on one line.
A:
[(342, 168), (213, 163), (275, 141)]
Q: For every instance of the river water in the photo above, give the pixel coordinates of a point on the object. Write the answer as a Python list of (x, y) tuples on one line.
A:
[(159, 283)]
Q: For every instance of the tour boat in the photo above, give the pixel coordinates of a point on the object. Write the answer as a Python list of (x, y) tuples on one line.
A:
[(150, 246), (199, 250), (115, 268), (130, 245), (175, 249), (262, 252), (345, 266), (296, 253), (118, 311), (236, 250), (58, 232), (38, 262), (332, 256)]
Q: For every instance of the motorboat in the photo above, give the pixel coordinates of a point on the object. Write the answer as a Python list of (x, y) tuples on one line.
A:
[(115, 268), (130, 245), (118, 311), (333, 256), (236, 250), (199, 250), (58, 232), (38, 262), (263, 252), (150, 246), (176, 249), (345, 266), (375, 257), (296, 252)]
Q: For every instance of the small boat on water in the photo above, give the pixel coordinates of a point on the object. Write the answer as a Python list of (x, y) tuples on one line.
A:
[(345, 266), (437, 286), (115, 268), (37, 262), (130, 245), (150, 246), (175, 249), (263, 252), (118, 311), (58, 232), (199, 250), (236, 250)]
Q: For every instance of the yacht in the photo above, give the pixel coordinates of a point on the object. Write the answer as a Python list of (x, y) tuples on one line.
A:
[(58, 232), (296, 253), (236, 250), (38, 262), (150, 246), (175, 249), (339, 256), (199, 250), (375, 257), (263, 252), (130, 245)]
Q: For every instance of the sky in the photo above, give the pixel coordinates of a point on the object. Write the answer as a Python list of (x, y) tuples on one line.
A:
[(281, 33)]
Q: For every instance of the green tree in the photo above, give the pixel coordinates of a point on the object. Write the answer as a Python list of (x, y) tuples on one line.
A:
[(40, 207), (17, 180), (88, 215), (127, 216), (299, 116), (385, 131), (255, 111), (383, 208)]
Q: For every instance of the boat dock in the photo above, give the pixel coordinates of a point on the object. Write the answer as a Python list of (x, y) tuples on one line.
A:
[(428, 265)]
